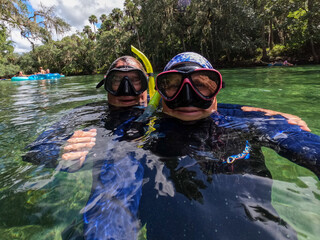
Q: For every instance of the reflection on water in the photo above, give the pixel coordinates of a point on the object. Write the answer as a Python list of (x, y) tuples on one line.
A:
[(41, 203), (295, 195)]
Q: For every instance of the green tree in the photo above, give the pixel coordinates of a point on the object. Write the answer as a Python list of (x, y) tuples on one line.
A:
[(103, 17), (93, 20), (37, 25), (116, 16)]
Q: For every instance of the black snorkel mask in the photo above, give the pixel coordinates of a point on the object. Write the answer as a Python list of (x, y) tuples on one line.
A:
[(125, 81)]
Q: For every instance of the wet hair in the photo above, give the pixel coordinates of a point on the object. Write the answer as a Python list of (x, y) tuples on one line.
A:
[(127, 60)]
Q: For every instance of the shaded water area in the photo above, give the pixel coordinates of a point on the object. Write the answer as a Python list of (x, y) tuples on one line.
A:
[(41, 203)]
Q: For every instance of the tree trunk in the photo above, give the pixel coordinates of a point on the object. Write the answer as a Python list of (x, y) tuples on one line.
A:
[(314, 53), (263, 35), (270, 42), (264, 47), (311, 31), (183, 43), (136, 29)]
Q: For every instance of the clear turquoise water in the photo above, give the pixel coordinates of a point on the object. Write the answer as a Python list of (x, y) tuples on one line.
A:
[(294, 90), (39, 203)]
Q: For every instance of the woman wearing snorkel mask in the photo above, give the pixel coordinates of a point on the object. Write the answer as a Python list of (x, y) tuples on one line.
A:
[(205, 174), (189, 87)]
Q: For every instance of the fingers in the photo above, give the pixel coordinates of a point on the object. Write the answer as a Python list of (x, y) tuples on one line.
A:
[(254, 109), (302, 124), (79, 146), (248, 109), (82, 160), (81, 139), (74, 155), (80, 133)]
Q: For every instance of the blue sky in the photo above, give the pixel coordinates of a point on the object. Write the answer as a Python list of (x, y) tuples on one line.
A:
[(74, 12)]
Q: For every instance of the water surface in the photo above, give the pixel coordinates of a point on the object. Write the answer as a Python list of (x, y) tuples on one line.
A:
[(40, 203)]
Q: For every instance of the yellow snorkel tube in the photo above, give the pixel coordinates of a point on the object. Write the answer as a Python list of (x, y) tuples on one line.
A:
[(154, 95)]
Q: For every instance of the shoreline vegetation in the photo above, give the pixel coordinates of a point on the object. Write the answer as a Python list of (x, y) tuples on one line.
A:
[(229, 34)]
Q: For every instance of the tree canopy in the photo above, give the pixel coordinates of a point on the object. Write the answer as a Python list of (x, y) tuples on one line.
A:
[(36, 25), (228, 33)]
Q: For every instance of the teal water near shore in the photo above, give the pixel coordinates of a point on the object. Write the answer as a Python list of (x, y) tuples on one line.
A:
[(40, 203)]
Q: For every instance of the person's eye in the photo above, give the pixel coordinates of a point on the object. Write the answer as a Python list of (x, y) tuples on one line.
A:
[(173, 86), (116, 80), (200, 85), (135, 80)]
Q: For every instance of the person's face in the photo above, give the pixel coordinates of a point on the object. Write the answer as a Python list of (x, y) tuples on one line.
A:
[(127, 101), (190, 113)]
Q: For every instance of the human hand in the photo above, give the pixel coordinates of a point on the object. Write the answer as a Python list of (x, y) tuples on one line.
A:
[(292, 119), (79, 145)]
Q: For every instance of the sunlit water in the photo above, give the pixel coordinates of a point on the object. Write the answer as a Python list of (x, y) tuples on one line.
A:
[(40, 203)]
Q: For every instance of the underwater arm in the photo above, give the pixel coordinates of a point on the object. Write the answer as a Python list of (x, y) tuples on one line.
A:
[(290, 141), (111, 211), (78, 146), (276, 132), (45, 150), (302, 148)]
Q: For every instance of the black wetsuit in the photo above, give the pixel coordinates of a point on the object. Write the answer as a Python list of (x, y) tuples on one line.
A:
[(184, 181), (199, 195), (45, 150)]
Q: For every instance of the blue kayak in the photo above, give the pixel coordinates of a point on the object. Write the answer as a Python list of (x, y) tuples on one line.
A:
[(38, 77)]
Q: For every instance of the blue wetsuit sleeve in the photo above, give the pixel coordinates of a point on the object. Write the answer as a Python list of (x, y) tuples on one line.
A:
[(111, 211), (46, 148), (289, 141), (235, 110)]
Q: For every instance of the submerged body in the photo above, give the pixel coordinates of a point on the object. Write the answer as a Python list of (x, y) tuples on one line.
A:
[(207, 180)]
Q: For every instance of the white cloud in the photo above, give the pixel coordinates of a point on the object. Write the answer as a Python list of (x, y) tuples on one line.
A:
[(74, 12), (21, 44)]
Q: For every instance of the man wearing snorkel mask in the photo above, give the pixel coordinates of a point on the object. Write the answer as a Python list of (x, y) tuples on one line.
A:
[(126, 83)]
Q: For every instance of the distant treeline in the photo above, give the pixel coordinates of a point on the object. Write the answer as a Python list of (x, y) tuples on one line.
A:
[(228, 33)]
